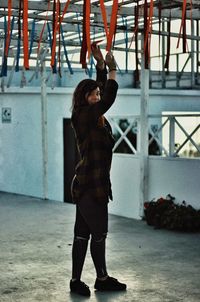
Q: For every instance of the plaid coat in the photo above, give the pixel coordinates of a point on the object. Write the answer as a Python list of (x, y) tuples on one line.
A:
[(95, 145)]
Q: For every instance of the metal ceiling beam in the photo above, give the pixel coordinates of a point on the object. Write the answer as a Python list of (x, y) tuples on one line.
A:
[(42, 6), (125, 11)]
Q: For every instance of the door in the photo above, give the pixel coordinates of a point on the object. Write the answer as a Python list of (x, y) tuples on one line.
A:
[(70, 158)]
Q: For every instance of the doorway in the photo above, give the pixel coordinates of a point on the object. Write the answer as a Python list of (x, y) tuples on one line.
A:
[(71, 158)]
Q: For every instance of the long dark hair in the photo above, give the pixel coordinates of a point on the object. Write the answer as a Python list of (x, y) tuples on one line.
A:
[(84, 88)]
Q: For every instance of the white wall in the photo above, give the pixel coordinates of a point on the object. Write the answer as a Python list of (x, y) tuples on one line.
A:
[(21, 145), (21, 148), (125, 186), (21, 142), (177, 176)]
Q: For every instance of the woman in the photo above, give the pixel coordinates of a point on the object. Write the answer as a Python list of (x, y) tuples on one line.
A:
[(91, 187)]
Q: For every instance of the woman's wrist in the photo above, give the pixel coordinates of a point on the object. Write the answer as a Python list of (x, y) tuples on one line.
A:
[(112, 69), (101, 64), (112, 74)]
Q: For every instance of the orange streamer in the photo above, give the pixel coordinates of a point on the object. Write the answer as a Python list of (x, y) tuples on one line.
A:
[(42, 32), (149, 25), (57, 26), (58, 21), (84, 42), (182, 21), (8, 27), (64, 11), (25, 33), (113, 23), (104, 16), (54, 35)]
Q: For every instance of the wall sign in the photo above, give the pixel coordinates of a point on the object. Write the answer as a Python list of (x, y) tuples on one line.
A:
[(6, 115)]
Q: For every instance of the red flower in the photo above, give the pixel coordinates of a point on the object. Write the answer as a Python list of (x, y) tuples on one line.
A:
[(161, 200), (146, 204)]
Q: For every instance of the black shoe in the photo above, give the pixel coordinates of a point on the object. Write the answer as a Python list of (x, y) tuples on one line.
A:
[(110, 284), (80, 288)]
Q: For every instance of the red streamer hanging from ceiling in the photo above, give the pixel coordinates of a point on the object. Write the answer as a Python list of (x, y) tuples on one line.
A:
[(136, 74), (55, 25), (25, 34), (59, 44), (8, 27), (84, 40), (104, 17), (109, 30), (148, 31), (168, 42), (65, 10), (113, 22), (86, 44), (145, 31), (42, 32), (183, 25)]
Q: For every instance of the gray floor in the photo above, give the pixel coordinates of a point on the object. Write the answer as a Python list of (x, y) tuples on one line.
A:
[(35, 256)]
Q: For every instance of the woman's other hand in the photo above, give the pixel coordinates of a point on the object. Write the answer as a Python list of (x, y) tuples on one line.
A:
[(110, 61), (97, 54), (112, 66)]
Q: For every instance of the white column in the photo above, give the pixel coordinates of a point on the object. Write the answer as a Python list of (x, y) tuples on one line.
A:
[(44, 129), (171, 136), (144, 136)]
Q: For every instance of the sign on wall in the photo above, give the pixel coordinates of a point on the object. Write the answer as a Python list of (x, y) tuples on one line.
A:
[(6, 115)]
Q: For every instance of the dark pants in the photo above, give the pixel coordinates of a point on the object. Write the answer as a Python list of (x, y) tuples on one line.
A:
[(91, 219)]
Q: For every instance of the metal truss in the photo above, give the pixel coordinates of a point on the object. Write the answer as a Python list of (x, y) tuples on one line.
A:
[(72, 27)]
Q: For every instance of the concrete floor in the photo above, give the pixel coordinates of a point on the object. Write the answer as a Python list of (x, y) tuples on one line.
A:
[(35, 256)]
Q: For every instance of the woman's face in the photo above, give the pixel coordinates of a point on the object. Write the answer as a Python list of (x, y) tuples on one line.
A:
[(94, 96)]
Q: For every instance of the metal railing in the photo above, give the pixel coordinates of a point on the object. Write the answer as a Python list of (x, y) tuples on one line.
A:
[(169, 137)]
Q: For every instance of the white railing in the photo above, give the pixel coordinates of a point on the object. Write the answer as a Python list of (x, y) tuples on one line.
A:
[(169, 137)]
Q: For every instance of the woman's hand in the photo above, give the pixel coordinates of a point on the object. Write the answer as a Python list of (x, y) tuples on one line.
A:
[(96, 52), (110, 61)]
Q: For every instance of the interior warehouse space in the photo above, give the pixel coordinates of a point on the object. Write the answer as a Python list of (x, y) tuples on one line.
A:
[(148, 109)]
